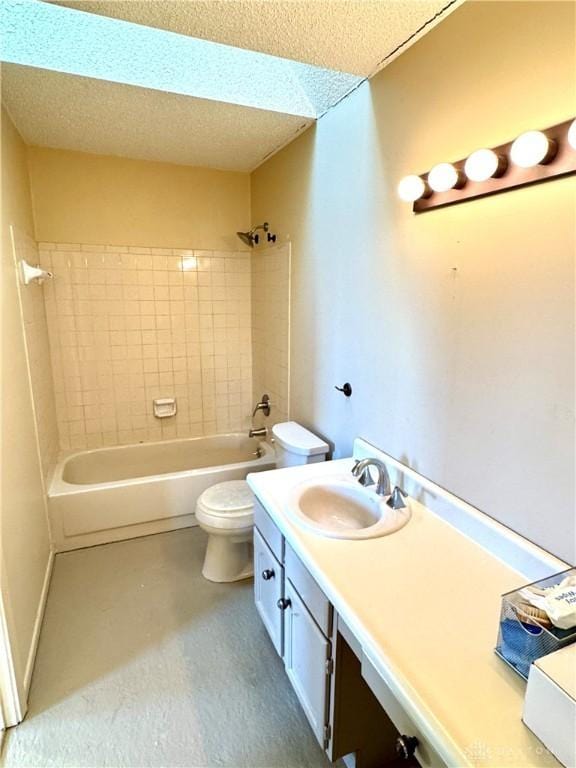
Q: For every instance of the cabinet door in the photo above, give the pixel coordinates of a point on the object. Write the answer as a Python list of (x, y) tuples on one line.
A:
[(268, 590), (307, 662)]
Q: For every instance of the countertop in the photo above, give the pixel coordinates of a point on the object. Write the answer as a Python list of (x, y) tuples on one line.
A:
[(424, 603)]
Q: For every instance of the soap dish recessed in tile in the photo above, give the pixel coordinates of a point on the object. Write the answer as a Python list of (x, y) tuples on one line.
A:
[(165, 407)]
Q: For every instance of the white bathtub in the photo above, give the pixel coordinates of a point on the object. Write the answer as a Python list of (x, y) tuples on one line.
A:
[(118, 493)]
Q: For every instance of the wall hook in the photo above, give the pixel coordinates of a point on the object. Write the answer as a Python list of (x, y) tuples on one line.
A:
[(346, 389)]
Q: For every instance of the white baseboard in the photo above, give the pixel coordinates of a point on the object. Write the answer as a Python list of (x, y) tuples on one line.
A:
[(38, 623)]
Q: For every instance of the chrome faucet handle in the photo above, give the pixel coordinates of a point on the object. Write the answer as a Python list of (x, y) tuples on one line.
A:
[(363, 474), (396, 500), (366, 478), (263, 405)]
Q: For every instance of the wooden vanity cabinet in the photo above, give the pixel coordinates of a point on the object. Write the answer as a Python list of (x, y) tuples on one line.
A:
[(320, 658)]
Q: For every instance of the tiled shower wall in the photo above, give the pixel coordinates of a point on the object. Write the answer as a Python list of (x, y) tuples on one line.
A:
[(130, 324), (271, 330)]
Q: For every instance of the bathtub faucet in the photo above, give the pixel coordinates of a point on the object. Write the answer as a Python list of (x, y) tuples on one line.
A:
[(260, 432)]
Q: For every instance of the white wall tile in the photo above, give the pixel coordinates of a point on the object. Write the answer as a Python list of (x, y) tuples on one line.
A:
[(128, 324)]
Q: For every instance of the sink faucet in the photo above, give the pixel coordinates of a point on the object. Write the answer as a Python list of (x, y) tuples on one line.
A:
[(362, 472)]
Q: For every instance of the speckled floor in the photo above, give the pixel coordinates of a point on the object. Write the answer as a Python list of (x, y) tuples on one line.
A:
[(144, 663)]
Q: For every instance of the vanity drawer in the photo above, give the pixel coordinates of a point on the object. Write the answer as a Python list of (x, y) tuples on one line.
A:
[(311, 594), (269, 530), (425, 754)]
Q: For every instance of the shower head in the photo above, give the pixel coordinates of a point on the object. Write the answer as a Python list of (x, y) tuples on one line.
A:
[(246, 238), (251, 238)]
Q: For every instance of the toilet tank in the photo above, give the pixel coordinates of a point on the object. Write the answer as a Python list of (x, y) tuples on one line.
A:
[(295, 445)]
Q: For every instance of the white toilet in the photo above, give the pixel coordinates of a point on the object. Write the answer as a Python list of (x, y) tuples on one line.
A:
[(226, 510)]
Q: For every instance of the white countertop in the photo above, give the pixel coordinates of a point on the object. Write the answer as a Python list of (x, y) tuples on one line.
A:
[(424, 603)]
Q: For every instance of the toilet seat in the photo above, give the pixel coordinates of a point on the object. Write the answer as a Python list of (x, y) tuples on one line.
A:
[(228, 505)]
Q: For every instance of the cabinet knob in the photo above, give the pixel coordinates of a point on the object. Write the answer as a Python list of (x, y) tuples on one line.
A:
[(406, 746), (267, 574), (283, 603)]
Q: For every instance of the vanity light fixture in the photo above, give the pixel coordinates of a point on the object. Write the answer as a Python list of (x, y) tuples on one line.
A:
[(572, 135), (444, 177), (532, 148), (485, 164), (533, 157), (413, 188)]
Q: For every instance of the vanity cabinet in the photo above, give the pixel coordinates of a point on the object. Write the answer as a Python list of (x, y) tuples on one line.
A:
[(298, 618), (308, 662), (269, 590), (320, 659)]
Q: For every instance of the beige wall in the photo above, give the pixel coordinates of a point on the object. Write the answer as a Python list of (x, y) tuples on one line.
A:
[(83, 198), (38, 354), (24, 533), (132, 324), (270, 269), (455, 327)]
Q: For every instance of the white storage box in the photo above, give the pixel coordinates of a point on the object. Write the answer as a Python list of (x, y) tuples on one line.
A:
[(550, 703)]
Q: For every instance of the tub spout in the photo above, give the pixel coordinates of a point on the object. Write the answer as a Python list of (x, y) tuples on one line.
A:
[(260, 432)]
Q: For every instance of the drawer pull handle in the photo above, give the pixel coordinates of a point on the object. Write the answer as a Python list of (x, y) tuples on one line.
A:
[(406, 746), (283, 603), (267, 574)]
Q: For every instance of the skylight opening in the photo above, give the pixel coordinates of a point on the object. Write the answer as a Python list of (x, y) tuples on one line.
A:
[(47, 36)]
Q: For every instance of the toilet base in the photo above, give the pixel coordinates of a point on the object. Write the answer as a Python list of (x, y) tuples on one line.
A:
[(228, 558)]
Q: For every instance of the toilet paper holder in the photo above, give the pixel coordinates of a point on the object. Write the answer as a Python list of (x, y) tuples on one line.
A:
[(164, 407)]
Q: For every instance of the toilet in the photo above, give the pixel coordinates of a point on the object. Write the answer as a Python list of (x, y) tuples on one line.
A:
[(226, 510)]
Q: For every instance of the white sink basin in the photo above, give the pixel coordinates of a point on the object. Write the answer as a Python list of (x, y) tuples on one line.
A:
[(341, 508)]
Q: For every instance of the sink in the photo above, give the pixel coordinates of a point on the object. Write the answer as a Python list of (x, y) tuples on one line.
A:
[(341, 508)]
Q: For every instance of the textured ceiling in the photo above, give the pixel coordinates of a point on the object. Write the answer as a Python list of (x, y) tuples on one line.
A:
[(68, 112), (143, 120), (60, 39), (348, 35)]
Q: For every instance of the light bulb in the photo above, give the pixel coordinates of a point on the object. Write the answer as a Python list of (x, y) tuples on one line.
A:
[(444, 177), (484, 164), (412, 188), (532, 148), (572, 135)]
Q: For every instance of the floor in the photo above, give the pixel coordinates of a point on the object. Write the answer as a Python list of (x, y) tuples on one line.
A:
[(142, 662)]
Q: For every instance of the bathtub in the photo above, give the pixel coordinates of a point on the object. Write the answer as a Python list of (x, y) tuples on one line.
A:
[(110, 494)]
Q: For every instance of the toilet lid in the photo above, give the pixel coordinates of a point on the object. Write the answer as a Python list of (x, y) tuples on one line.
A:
[(230, 496)]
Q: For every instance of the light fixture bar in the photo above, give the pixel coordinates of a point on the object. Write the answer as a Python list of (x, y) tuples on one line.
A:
[(563, 163)]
